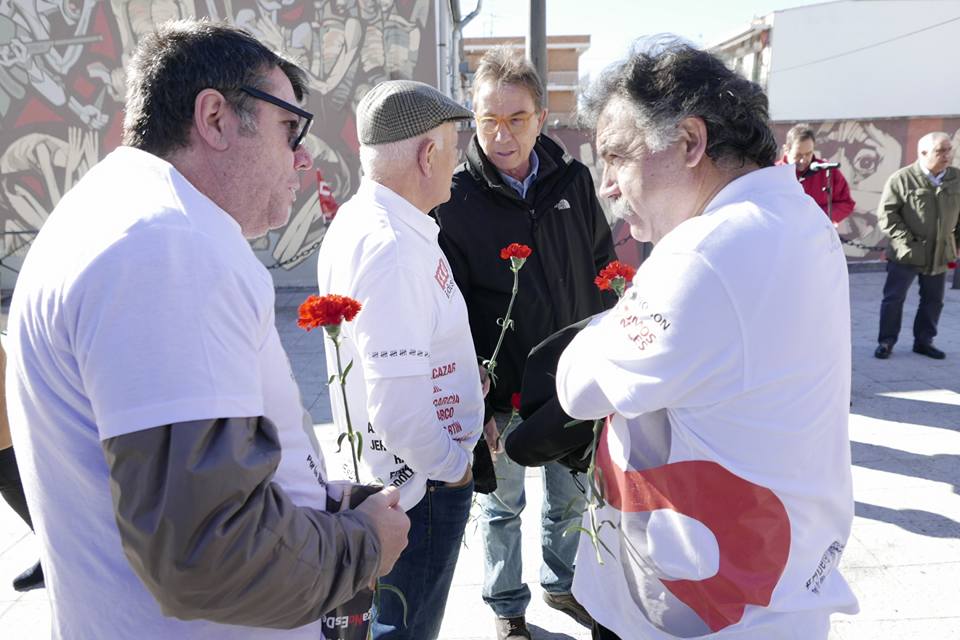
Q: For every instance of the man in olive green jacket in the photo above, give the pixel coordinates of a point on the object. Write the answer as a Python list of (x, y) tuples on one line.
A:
[(919, 212)]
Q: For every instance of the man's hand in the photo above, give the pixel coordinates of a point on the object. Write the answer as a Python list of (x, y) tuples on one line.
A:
[(484, 380), (492, 436), (391, 525)]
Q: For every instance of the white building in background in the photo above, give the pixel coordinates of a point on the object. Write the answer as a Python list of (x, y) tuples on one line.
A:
[(870, 76), (853, 59)]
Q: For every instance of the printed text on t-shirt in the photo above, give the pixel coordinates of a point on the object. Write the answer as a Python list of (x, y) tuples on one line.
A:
[(444, 369)]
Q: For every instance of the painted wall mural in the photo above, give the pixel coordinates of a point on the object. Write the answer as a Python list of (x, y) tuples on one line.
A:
[(868, 152), (62, 87)]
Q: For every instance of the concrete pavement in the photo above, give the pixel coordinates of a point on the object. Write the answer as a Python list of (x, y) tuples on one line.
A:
[(903, 558)]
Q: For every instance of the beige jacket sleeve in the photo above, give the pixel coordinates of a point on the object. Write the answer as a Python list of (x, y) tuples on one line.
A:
[(212, 537)]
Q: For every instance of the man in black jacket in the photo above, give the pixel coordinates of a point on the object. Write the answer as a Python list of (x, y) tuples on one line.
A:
[(518, 186)]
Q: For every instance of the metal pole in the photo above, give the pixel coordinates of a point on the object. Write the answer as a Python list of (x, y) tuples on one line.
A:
[(537, 44)]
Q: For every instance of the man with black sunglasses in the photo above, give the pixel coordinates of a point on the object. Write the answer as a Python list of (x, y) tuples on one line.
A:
[(176, 486)]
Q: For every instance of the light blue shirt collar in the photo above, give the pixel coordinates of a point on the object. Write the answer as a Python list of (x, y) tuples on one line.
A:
[(523, 187), (936, 180)]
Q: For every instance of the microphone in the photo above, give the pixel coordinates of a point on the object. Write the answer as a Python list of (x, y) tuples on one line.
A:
[(820, 166)]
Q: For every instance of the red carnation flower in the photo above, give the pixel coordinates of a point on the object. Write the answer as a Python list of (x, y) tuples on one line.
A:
[(515, 402), (326, 311), (515, 250), (615, 276), (951, 265)]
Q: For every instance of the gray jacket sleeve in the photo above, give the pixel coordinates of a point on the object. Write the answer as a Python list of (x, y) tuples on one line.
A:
[(212, 537)]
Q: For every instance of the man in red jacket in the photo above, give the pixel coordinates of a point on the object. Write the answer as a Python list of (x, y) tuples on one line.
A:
[(799, 151)]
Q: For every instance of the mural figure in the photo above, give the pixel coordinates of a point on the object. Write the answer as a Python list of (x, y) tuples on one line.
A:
[(37, 170), (31, 56), (867, 156), (335, 56)]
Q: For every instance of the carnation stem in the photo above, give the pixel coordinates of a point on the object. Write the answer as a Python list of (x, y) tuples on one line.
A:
[(346, 409), (595, 499), (506, 323)]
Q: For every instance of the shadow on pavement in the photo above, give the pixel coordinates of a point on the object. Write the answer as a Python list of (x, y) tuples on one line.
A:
[(538, 633), (941, 467), (922, 523), (923, 412)]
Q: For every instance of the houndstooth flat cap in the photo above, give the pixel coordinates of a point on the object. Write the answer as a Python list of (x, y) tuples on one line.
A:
[(400, 109)]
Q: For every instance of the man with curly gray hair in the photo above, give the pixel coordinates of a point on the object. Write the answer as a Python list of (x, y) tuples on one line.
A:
[(723, 468)]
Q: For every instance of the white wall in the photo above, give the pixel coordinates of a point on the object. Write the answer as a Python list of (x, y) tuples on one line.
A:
[(917, 75)]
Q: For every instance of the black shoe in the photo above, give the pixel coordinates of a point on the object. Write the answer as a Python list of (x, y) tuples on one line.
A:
[(32, 578), (512, 628), (883, 351), (928, 350)]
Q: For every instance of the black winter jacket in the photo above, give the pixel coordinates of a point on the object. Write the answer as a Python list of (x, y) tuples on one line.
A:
[(560, 220)]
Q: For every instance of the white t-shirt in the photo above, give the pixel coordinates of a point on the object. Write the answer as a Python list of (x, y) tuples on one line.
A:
[(414, 389), (140, 304), (726, 460)]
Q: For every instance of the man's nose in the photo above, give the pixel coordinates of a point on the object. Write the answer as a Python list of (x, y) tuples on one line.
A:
[(503, 133), (608, 184), (302, 160)]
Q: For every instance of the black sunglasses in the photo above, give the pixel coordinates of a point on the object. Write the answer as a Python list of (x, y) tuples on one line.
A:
[(283, 104)]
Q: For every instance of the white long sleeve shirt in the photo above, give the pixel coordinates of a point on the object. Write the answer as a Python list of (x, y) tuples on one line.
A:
[(726, 460), (414, 390)]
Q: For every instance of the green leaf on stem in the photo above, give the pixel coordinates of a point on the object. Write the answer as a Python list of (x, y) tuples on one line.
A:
[(574, 423), (575, 528), (347, 370), (569, 510), (359, 448), (340, 440)]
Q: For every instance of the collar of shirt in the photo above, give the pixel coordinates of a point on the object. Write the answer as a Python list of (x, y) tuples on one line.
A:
[(522, 187), (936, 180), (755, 186), (398, 208)]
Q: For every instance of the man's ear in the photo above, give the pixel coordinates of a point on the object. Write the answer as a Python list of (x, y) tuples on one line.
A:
[(427, 156), (693, 136), (542, 119), (213, 118)]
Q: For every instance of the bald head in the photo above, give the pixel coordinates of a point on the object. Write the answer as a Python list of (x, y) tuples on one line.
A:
[(935, 151)]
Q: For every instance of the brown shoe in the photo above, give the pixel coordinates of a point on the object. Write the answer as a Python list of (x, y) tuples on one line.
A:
[(512, 628), (566, 603)]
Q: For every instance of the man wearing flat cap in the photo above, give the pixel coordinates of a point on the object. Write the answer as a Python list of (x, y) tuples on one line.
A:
[(414, 382)]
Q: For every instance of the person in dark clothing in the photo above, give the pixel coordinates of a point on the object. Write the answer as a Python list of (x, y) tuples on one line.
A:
[(10, 486), (519, 186)]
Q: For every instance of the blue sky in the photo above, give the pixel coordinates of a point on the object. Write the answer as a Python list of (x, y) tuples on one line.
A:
[(614, 24)]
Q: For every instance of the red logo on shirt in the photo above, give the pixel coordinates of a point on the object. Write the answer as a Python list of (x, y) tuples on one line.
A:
[(443, 278), (749, 522)]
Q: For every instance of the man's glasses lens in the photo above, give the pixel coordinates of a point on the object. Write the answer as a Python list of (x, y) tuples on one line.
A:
[(515, 124), (306, 118)]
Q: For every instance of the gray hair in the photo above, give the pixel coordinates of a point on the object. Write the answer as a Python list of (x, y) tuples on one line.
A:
[(927, 142), (502, 65), (669, 80), (380, 161)]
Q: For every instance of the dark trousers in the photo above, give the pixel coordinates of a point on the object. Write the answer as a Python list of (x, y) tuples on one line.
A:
[(899, 279), (602, 633), (424, 571), (11, 487)]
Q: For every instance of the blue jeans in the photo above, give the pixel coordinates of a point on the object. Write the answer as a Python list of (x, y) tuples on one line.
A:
[(563, 504), (424, 571)]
